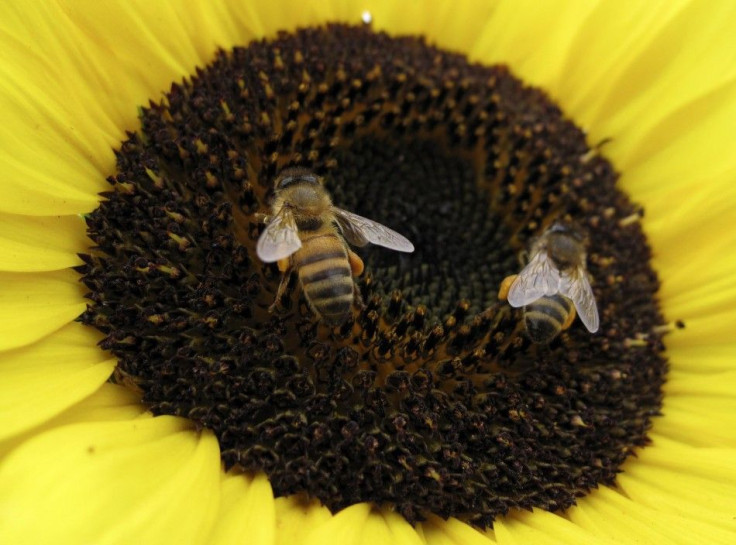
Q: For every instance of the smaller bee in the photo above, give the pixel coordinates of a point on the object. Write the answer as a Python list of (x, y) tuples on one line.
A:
[(307, 233), (553, 285)]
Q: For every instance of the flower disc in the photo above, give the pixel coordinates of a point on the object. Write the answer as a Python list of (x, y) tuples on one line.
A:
[(431, 397)]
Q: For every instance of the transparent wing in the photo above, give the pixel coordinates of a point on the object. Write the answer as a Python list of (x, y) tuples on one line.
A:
[(539, 278), (576, 287), (359, 231), (280, 239)]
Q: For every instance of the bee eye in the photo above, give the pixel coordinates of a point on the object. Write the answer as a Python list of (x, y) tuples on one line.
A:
[(286, 181), (559, 228), (291, 179)]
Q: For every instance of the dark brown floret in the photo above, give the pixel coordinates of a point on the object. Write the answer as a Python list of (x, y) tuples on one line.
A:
[(431, 398)]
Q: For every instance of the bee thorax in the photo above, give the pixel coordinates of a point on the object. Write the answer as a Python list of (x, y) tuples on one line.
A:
[(309, 223), (565, 250)]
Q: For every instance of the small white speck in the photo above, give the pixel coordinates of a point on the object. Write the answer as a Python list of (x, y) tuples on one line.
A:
[(367, 17)]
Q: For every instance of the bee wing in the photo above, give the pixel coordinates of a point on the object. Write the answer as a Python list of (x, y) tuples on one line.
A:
[(539, 278), (280, 239), (576, 287), (359, 231)]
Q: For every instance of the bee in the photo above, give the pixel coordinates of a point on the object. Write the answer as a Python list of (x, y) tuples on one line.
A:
[(306, 232), (553, 286)]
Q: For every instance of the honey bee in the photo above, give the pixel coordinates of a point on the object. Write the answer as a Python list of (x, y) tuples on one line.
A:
[(308, 233), (553, 285)]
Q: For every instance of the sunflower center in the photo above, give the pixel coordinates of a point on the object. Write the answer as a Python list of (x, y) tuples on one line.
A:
[(462, 249), (431, 396)]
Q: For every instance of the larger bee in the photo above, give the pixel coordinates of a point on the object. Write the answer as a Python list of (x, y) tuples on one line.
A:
[(553, 285), (308, 233)]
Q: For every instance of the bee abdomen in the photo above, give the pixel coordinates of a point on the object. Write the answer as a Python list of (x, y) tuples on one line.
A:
[(328, 284), (332, 298), (544, 317)]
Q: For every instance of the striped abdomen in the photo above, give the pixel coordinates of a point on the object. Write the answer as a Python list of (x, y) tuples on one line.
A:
[(326, 278), (546, 317)]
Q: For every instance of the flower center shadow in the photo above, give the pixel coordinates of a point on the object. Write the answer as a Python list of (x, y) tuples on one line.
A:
[(462, 247)]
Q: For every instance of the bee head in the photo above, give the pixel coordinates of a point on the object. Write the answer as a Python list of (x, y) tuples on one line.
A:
[(566, 230)]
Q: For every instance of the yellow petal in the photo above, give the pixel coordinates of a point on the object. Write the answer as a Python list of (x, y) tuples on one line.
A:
[(111, 482), (710, 462), (108, 403), (699, 219), (376, 531), (398, 529), (621, 72), (259, 20), (673, 151), (706, 336), (660, 89), (713, 405), (345, 527), (72, 77), (42, 380), (610, 514), (533, 38), (699, 297), (712, 385), (247, 512), (34, 305), (383, 526), (698, 421), (699, 483), (604, 45), (436, 531), (542, 527), (42, 243), (64, 100), (452, 25), (602, 514), (296, 518), (686, 355), (692, 429)]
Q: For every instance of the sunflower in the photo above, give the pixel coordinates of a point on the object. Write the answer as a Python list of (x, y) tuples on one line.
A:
[(653, 88)]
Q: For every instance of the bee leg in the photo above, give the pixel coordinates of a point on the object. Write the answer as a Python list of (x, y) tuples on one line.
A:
[(356, 264), (358, 297), (283, 265), (503, 290), (570, 319), (280, 292)]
